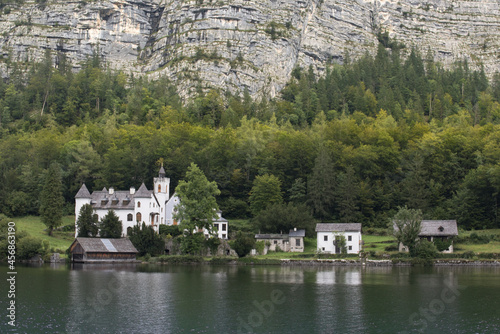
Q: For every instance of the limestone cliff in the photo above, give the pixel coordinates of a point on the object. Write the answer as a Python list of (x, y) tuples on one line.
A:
[(245, 43)]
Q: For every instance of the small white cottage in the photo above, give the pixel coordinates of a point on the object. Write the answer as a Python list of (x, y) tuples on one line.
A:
[(329, 237)]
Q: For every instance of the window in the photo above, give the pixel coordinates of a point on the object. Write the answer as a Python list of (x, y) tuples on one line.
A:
[(159, 188), (138, 217), (223, 236), (138, 204), (349, 238), (297, 242), (325, 238), (275, 242), (157, 219), (223, 227), (323, 249), (130, 217), (350, 247), (216, 227)]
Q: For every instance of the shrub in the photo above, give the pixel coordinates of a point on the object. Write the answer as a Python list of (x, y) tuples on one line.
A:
[(260, 246), (426, 250), (468, 255), (442, 244), (173, 230), (243, 243), (28, 247)]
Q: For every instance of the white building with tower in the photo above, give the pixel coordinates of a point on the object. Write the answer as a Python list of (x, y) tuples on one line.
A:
[(153, 207), (131, 206)]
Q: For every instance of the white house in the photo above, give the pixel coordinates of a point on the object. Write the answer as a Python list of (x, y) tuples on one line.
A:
[(328, 237), (220, 225), (131, 206)]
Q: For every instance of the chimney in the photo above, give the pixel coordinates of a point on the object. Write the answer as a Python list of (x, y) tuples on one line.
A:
[(295, 229), (111, 191), (132, 190)]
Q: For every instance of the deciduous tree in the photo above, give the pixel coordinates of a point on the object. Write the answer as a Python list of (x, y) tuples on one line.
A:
[(407, 226)]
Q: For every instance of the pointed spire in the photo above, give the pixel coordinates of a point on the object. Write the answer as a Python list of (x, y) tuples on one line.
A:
[(162, 171), (83, 192)]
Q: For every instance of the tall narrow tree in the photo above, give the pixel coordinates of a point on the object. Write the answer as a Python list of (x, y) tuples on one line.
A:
[(51, 199)]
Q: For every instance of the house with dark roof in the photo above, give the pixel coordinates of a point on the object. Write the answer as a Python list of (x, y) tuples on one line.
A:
[(94, 250), (291, 242), (434, 230), (330, 237)]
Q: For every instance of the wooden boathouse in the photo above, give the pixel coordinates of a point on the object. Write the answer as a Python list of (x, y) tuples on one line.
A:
[(94, 250)]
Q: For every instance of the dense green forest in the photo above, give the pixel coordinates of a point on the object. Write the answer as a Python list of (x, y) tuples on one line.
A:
[(353, 144)]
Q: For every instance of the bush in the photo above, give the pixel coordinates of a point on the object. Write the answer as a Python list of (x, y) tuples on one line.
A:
[(146, 240), (442, 244), (173, 230), (243, 244), (260, 246), (468, 255), (28, 247), (192, 244), (426, 250)]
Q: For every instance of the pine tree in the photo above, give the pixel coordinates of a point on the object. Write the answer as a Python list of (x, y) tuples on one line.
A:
[(51, 199), (87, 222), (111, 226)]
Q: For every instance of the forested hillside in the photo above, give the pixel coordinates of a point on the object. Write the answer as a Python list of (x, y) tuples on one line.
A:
[(369, 136)]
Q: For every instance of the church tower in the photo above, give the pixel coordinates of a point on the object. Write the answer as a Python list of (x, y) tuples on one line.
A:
[(161, 191)]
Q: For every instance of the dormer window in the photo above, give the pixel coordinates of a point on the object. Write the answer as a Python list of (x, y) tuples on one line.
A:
[(104, 201), (441, 229), (114, 201)]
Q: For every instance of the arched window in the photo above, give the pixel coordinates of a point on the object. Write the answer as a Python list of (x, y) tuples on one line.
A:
[(130, 217), (138, 204), (138, 217), (159, 188)]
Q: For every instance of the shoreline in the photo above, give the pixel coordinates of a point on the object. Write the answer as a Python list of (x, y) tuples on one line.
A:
[(325, 262)]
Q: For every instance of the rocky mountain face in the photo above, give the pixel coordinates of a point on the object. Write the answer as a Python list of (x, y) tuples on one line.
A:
[(238, 44)]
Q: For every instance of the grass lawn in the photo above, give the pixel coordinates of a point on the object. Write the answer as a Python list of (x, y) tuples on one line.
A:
[(377, 243), (35, 228), (491, 247)]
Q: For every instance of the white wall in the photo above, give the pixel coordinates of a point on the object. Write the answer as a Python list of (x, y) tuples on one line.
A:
[(353, 246)]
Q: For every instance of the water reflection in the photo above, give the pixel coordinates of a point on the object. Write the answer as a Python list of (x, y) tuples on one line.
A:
[(222, 299)]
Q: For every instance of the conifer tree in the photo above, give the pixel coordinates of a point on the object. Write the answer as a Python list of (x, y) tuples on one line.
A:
[(111, 226), (87, 222), (51, 199)]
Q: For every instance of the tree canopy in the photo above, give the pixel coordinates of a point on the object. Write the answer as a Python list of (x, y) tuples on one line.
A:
[(197, 206)]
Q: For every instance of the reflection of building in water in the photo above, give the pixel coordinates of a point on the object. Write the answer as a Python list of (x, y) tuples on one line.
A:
[(285, 274), (347, 276)]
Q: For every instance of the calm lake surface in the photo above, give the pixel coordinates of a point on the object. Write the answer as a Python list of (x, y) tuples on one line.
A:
[(260, 299)]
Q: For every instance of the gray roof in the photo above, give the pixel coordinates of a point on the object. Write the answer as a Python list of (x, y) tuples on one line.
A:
[(297, 233), (83, 192), (119, 200), (350, 227), (143, 191), (100, 245), (438, 228), (271, 236)]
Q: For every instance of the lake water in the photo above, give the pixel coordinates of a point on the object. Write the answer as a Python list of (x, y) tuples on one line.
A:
[(260, 299)]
